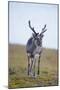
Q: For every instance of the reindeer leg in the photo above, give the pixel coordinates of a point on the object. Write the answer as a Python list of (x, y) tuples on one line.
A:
[(28, 65), (31, 67), (31, 63), (38, 66), (34, 67)]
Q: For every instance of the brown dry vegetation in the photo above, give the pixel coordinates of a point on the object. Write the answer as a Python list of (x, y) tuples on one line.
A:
[(18, 68)]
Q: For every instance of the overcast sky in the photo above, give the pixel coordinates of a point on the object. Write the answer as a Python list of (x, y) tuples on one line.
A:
[(39, 14)]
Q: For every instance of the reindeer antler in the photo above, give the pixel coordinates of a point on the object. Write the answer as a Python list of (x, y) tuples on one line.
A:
[(32, 28), (43, 29)]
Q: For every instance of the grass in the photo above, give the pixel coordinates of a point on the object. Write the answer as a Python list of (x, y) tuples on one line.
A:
[(18, 68)]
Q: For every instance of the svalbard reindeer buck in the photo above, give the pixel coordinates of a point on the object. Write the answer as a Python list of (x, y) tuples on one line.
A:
[(33, 49)]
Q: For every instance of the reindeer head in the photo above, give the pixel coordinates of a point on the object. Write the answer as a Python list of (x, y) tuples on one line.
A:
[(37, 37)]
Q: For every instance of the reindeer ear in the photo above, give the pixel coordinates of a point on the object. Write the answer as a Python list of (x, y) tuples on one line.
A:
[(42, 35)]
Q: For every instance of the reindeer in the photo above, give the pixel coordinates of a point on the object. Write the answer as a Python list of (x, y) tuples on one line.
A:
[(34, 50)]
